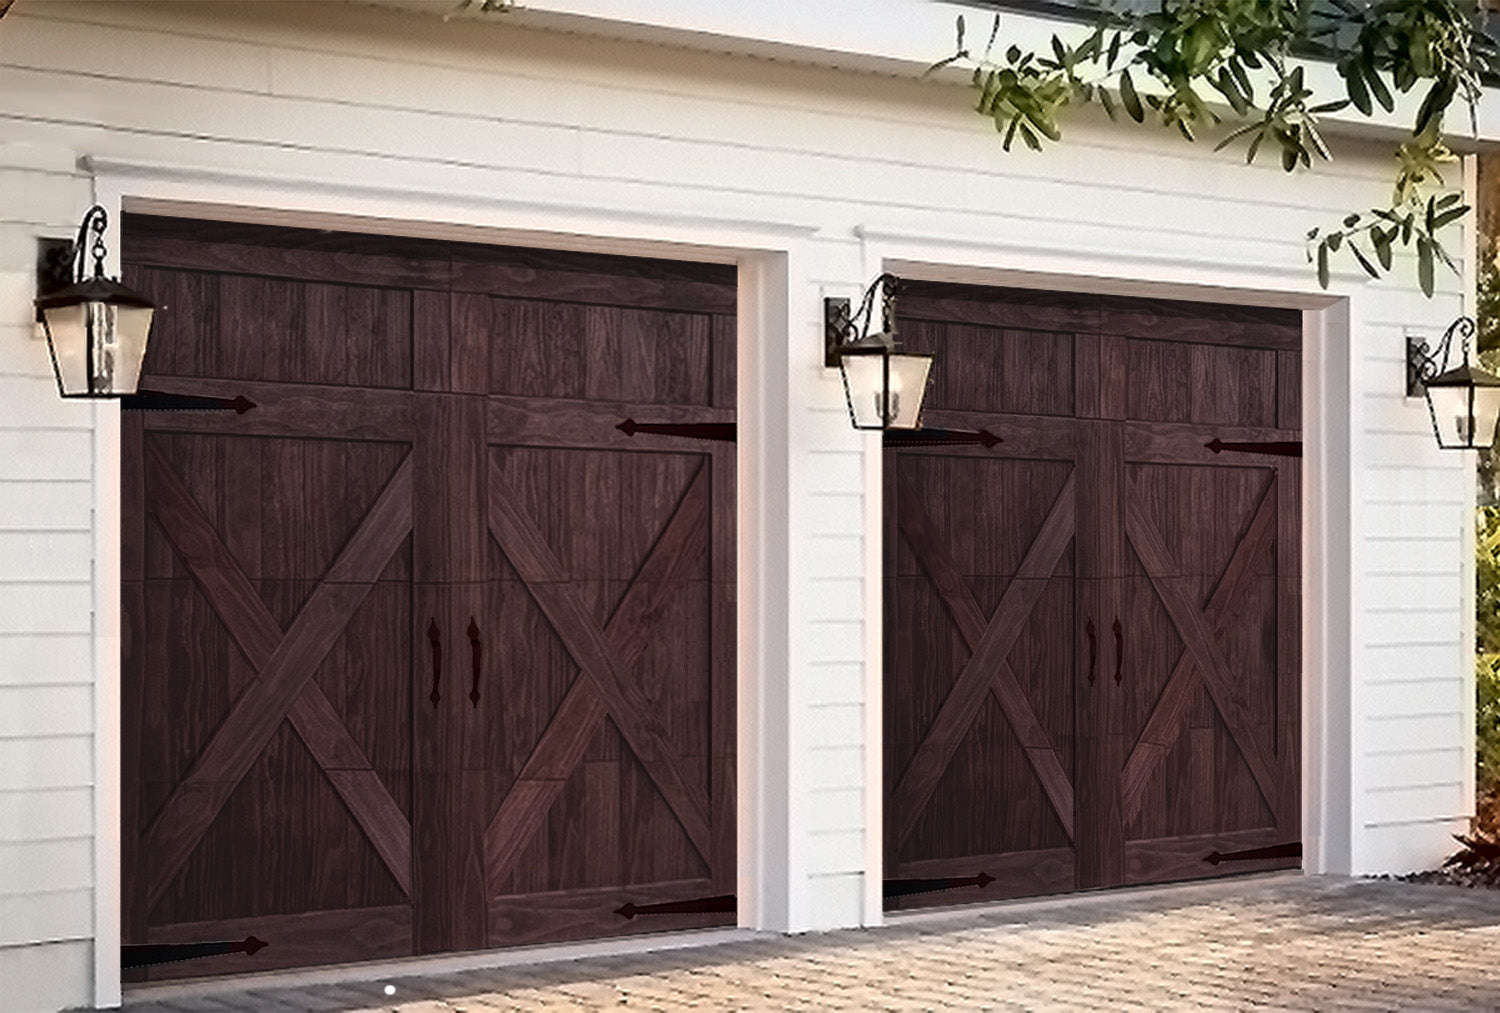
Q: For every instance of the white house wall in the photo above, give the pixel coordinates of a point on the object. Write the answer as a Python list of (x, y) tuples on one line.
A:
[(818, 177)]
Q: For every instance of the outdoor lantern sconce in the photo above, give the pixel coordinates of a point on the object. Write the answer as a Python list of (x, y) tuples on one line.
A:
[(1464, 403), (884, 387), (96, 328)]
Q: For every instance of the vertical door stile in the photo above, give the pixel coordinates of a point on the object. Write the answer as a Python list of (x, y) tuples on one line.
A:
[(1100, 591)]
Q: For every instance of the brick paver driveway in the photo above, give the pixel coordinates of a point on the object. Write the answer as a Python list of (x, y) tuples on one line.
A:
[(1286, 942)]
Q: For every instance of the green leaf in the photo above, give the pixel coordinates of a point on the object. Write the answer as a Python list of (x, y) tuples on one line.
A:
[(1446, 218), (1369, 267), (1013, 54), (1382, 241), (1447, 199), (1130, 99), (1334, 240), (1323, 264), (1431, 214), (1354, 83), (1031, 139), (1377, 86), (1351, 220), (1424, 266), (1312, 233), (1108, 102), (1010, 134), (1114, 52), (1043, 123), (1438, 98), (1406, 224)]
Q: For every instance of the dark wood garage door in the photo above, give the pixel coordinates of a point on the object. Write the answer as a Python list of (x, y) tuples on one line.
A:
[(1092, 671), (422, 653)]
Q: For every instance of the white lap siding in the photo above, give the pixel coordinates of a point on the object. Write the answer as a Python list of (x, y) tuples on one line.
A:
[(46, 613), (344, 108)]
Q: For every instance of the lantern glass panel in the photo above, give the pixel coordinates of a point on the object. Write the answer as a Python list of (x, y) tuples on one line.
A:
[(908, 386), (864, 387), (115, 333), (1463, 416), (67, 335)]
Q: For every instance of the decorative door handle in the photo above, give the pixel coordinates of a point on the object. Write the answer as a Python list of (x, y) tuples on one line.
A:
[(1093, 649), (1119, 649), (475, 652), (435, 637)]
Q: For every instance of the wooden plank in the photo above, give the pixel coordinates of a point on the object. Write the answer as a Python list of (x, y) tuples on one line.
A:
[(274, 252), (519, 421), (313, 937), (556, 755), (546, 276), (1160, 860), (990, 641), (1170, 713), (255, 715), (1017, 874), (1191, 625), (254, 630), (528, 919), (430, 340), (1288, 745), (290, 410), (592, 649), (561, 747)]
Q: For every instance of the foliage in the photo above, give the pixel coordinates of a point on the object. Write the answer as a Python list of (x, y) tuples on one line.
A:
[(1169, 63), (1487, 665)]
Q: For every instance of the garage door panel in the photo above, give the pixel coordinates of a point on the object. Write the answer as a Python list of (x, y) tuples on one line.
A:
[(1154, 684), (282, 844), (531, 689), (988, 800)]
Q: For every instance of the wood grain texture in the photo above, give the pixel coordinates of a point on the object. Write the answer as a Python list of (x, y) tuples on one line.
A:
[(1191, 624), (256, 713), (315, 937), (545, 578), (1170, 713), (990, 641), (676, 554), (1161, 860), (1017, 874), (1120, 387), (355, 348), (530, 919)]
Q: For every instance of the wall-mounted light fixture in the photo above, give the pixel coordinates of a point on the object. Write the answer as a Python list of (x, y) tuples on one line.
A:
[(96, 328), (884, 387), (1464, 403)]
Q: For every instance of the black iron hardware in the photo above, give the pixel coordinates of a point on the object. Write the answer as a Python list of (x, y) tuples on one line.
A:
[(166, 953), (475, 653), (725, 432), (158, 401), (907, 887), (435, 637), (1119, 649), (1292, 850), (1290, 448), (700, 905), (1093, 649)]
